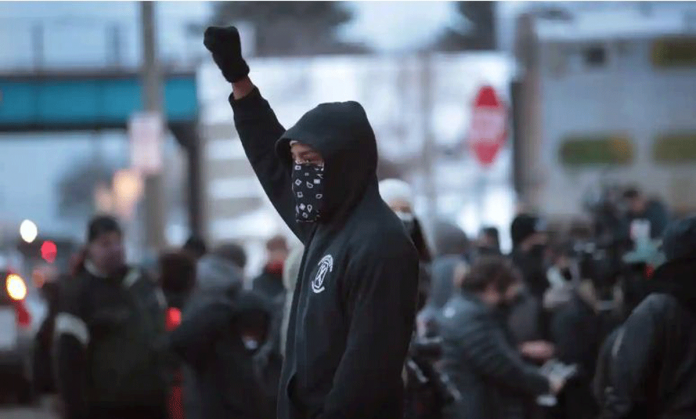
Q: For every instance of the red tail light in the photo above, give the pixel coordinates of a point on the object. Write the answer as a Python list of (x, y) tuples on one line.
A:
[(173, 318), (23, 315)]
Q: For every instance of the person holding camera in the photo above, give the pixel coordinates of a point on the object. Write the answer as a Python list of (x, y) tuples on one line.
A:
[(486, 368)]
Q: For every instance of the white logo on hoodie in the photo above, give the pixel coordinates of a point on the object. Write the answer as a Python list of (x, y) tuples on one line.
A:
[(325, 266)]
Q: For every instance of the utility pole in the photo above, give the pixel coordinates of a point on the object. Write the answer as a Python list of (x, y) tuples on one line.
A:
[(155, 214), (426, 125)]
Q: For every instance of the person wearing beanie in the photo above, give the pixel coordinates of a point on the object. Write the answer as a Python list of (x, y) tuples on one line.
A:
[(653, 362), (526, 319), (529, 242), (109, 333), (399, 196)]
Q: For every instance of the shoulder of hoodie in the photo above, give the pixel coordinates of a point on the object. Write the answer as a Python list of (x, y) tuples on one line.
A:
[(379, 238), (656, 306)]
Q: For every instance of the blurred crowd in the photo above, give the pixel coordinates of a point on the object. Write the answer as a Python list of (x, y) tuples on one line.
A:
[(576, 323)]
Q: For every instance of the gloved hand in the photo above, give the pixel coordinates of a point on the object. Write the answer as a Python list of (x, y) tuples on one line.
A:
[(226, 48)]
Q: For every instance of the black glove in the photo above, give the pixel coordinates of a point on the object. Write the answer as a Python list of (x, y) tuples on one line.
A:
[(226, 48)]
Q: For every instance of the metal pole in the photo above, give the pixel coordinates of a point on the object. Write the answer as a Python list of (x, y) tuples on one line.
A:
[(38, 46), (155, 214), (428, 146)]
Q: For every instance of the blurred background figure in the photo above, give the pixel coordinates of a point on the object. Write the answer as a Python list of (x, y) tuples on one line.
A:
[(177, 277), (488, 242), (489, 373), (645, 218), (399, 196), (109, 359), (195, 247), (233, 253), (270, 282), (653, 368), (48, 278), (221, 329)]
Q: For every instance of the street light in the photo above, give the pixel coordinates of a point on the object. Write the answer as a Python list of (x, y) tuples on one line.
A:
[(28, 231)]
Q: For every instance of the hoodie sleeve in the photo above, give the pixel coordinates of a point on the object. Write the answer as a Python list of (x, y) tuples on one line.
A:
[(71, 337), (381, 303), (259, 130)]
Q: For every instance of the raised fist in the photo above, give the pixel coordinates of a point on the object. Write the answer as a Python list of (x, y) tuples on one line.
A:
[(226, 48)]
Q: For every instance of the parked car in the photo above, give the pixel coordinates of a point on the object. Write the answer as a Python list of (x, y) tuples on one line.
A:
[(21, 312)]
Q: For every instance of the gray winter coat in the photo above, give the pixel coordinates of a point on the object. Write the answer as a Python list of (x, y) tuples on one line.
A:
[(487, 370)]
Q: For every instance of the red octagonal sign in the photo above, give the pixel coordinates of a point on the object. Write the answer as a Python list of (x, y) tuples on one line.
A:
[(488, 126)]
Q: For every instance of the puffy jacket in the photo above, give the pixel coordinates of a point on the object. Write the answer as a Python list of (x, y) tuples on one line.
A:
[(489, 373)]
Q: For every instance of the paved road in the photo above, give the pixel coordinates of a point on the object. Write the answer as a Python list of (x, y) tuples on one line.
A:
[(24, 413), (10, 411)]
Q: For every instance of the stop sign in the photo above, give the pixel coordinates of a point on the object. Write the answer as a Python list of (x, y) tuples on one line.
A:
[(488, 129)]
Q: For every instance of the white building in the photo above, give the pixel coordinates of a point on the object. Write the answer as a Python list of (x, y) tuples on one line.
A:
[(607, 96), (391, 88)]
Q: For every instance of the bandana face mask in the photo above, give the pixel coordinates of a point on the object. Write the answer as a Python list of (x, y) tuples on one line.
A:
[(308, 188)]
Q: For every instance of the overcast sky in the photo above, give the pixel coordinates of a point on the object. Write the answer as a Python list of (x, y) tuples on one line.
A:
[(75, 35)]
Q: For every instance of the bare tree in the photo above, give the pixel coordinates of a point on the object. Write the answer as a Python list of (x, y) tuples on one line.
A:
[(77, 186), (292, 28), (474, 31)]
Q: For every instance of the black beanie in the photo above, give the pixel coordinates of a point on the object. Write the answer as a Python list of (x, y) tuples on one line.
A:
[(523, 226), (679, 239), (101, 224)]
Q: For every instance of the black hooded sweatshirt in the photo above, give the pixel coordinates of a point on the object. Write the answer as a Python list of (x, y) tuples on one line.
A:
[(353, 313)]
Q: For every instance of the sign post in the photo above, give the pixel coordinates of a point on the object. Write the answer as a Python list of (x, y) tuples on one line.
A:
[(488, 129), (487, 136)]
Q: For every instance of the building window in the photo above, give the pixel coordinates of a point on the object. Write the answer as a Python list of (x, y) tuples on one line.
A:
[(675, 52), (678, 148), (594, 150), (595, 56)]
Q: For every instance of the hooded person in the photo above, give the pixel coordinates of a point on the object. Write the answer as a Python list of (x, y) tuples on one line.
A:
[(353, 311), (653, 366), (399, 196), (109, 335), (221, 328)]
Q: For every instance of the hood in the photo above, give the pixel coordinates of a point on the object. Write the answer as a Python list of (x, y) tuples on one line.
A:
[(215, 274), (341, 133), (450, 239), (442, 280), (678, 278)]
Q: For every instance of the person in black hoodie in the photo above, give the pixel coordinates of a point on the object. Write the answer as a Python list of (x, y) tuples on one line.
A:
[(653, 364), (222, 326), (353, 313)]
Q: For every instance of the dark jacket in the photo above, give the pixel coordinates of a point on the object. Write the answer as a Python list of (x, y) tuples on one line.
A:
[(577, 331), (654, 369), (110, 352), (210, 341), (269, 283), (353, 312), (531, 264), (489, 373)]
